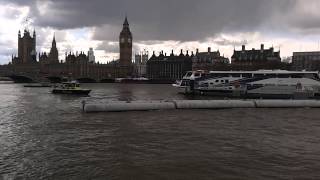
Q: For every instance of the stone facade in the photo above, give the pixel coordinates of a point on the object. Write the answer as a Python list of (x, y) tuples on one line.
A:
[(256, 59), (252, 57), (54, 54), (309, 61), (125, 66), (91, 56), (76, 65), (26, 48), (52, 57), (140, 64), (170, 67), (208, 60)]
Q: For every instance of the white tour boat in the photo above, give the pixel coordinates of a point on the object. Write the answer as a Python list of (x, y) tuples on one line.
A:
[(259, 84), (183, 85)]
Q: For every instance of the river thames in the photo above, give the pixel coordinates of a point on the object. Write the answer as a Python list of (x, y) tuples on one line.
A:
[(46, 136)]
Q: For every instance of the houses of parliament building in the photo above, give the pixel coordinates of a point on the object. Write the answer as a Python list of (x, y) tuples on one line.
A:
[(76, 65)]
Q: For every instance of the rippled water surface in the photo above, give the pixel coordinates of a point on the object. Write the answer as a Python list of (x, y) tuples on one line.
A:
[(46, 136)]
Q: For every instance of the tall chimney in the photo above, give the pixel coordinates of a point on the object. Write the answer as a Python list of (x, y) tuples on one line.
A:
[(262, 46), (243, 47), (209, 49)]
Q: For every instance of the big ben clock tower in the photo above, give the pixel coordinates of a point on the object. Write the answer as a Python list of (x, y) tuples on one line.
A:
[(125, 41)]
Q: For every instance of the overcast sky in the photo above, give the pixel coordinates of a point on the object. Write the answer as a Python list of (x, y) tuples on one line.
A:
[(289, 25)]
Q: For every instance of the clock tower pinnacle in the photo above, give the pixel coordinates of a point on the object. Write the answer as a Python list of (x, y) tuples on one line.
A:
[(125, 42)]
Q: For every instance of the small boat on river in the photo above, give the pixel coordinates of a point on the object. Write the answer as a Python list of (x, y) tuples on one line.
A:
[(72, 87)]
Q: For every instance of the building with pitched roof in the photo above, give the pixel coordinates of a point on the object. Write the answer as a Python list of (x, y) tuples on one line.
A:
[(255, 56), (255, 59), (309, 61), (208, 60), (170, 67)]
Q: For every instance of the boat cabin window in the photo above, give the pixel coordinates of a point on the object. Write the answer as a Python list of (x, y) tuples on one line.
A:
[(185, 83), (217, 80), (246, 75), (283, 75), (214, 75), (312, 76), (70, 85), (297, 75), (235, 75), (222, 81), (271, 75), (258, 75), (197, 74), (224, 75), (189, 74)]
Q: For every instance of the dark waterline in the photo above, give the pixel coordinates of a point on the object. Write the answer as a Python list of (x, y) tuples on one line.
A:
[(46, 136)]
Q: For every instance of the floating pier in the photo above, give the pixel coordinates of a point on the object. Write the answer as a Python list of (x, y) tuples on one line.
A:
[(287, 103), (213, 104), (118, 106)]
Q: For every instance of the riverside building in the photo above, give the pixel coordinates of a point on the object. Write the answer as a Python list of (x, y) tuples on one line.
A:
[(209, 60), (309, 61), (75, 65), (256, 58), (170, 67)]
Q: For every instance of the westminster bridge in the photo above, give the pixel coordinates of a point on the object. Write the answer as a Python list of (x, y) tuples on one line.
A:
[(91, 73)]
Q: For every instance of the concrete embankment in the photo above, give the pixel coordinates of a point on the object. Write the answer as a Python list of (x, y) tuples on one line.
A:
[(119, 106), (213, 104), (287, 103), (128, 106)]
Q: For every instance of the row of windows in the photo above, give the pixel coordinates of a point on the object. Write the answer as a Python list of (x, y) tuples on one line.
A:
[(249, 75), (306, 58), (222, 81), (217, 81)]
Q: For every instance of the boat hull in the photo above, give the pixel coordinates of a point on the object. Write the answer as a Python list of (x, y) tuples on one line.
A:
[(71, 91), (37, 85)]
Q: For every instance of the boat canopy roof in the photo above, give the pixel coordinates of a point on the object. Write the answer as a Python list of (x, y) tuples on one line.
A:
[(264, 72)]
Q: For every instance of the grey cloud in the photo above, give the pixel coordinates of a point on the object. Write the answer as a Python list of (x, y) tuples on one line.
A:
[(186, 20), (303, 25), (107, 32), (12, 13), (109, 47), (7, 51), (227, 42)]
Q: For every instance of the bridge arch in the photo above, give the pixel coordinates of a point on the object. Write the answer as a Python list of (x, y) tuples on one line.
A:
[(86, 80), (107, 80), (21, 79), (55, 79)]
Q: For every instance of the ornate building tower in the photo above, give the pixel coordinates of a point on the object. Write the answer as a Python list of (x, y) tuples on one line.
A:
[(125, 41), (91, 56), (27, 47), (54, 55)]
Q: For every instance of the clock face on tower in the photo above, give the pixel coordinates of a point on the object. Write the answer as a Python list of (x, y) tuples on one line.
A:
[(122, 40), (129, 40)]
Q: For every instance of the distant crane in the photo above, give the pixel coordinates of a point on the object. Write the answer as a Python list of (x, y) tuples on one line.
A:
[(26, 23)]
